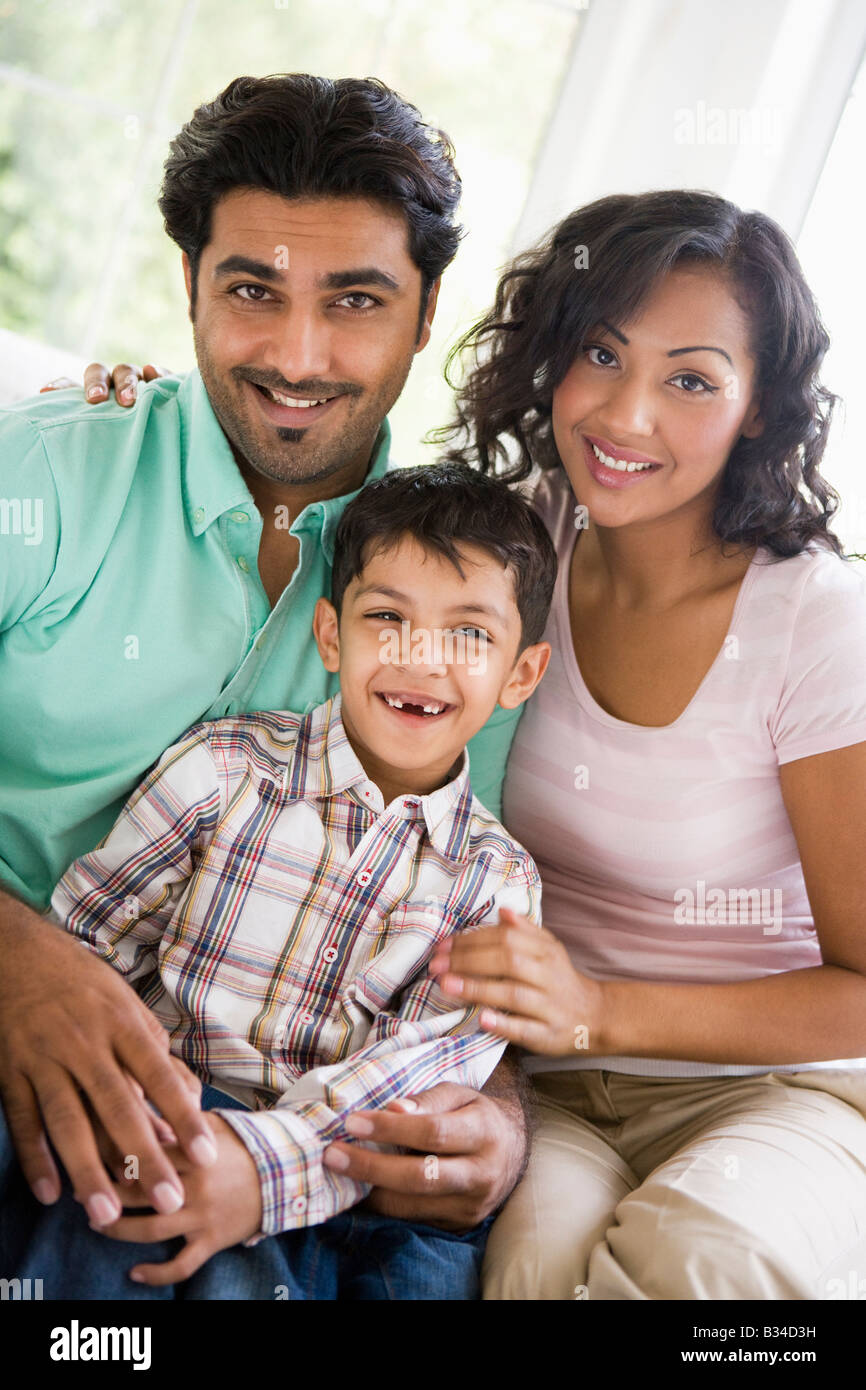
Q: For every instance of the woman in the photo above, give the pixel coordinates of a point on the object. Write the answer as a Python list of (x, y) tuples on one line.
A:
[(690, 775)]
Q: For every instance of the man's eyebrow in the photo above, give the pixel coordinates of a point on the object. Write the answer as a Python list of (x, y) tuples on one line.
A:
[(675, 352), (487, 611), (365, 275), (245, 265)]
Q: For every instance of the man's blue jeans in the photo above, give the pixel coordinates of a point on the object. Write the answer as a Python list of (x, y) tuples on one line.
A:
[(357, 1255)]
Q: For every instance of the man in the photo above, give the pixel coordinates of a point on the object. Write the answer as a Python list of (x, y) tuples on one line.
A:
[(181, 550)]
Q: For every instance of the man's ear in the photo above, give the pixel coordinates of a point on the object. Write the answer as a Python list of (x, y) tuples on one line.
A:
[(429, 311), (326, 630)]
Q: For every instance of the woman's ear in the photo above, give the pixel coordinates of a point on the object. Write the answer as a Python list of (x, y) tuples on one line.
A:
[(753, 425)]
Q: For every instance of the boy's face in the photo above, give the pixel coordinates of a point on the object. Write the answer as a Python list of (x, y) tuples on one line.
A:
[(412, 630)]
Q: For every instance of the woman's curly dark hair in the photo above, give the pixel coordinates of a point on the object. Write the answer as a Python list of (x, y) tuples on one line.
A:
[(772, 493)]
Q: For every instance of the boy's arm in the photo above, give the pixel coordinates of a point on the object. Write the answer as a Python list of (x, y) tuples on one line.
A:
[(119, 898), (421, 1042)]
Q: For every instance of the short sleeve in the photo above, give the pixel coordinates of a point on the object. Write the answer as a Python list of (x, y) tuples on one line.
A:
[(822, 705)]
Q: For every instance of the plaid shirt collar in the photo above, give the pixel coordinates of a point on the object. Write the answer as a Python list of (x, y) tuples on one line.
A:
[(325, 764)]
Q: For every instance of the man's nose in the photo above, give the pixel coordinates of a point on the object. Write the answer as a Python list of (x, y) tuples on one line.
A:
[(301, 349)]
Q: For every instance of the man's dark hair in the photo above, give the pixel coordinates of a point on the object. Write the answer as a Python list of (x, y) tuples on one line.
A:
[(442, 505), (311, 137)]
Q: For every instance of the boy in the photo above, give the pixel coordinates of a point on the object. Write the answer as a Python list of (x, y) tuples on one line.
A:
[(276, 885)]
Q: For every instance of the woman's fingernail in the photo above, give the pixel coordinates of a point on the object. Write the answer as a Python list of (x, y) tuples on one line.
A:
[(203, 1149), (101, 1209), (166, 1198), (45, 1191), (359, 1125), (335, 1158)]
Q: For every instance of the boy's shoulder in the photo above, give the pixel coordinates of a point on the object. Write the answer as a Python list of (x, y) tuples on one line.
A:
[(263, 741), (489, 841)]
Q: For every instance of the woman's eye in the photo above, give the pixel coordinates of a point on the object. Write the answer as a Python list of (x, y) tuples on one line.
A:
[(255, 294), (693, 385), (604, 353)]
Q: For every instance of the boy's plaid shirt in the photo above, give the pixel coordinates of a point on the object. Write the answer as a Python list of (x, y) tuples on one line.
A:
[(278, 919)]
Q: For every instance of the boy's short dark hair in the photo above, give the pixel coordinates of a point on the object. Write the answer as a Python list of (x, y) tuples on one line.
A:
[(442, 505), (312, 137)]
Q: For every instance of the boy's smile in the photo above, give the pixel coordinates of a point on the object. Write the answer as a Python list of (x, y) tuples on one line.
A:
[(424, 657)]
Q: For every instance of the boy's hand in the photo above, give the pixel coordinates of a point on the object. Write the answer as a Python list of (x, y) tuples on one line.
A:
[(223, 1207), (523, 974)]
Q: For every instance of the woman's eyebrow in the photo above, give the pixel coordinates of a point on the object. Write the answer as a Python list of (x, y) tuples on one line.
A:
[(675, 352)]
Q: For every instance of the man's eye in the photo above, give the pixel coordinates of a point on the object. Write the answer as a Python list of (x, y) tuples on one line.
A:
[(255, 294), (603, 352), (696, 385), (387, 615), (356, 295)]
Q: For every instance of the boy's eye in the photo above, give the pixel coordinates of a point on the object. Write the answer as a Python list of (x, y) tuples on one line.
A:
[(476, 631)]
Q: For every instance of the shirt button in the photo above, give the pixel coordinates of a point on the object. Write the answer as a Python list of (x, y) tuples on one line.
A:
[(239, 516), (307, 1017), (243, 564), (299, 1206), (329, 954), (364, 877), (198, 514)]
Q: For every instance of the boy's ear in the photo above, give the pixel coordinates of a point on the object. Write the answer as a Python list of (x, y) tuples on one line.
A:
[(326, 630), (528, 669)]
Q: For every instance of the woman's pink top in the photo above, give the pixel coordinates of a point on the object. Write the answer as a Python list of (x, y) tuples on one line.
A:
[(666, 853)]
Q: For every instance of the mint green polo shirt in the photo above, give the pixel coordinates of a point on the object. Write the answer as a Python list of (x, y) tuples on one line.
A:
[(131, 607)]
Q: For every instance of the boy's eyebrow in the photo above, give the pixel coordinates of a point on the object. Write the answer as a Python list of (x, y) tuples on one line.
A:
[(333, 280), (487, 611), (675, 352)]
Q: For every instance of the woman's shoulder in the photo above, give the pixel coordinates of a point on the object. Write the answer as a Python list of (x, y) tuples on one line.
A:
[(548, 491), (816, 584)]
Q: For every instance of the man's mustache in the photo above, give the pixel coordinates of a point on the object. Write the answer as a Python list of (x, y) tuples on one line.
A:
[(311, 386)]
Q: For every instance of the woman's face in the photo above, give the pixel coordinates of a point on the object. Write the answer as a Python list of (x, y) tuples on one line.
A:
[(673, 389)]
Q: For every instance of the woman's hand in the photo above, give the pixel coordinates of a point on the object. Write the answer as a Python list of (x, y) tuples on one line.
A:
[(533, 994), (98, 381)]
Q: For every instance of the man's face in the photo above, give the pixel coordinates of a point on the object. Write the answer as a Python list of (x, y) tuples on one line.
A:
[(305, 300), (412, 632)]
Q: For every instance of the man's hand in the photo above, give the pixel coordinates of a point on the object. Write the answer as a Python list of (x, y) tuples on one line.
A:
[(98, 381), (70, 1024), (469, 1151), (223, 1206)]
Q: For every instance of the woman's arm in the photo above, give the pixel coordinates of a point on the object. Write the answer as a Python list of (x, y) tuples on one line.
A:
[(803, 1015)]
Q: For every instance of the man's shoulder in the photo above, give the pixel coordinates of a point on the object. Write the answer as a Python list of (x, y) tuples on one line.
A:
[(52, 410)]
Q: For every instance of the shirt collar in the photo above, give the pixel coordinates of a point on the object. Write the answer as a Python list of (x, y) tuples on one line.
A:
[(213, 483), (325, 764)]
